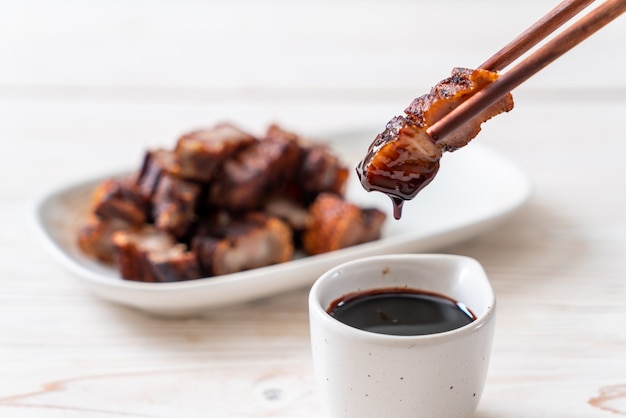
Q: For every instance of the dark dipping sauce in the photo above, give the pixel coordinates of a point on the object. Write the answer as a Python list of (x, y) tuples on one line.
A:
[(400, 311)]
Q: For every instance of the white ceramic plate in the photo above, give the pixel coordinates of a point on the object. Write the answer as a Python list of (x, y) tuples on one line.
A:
[(474, 189)]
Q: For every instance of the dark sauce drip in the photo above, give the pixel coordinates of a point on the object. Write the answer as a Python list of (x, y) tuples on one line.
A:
[(397, 206), (400, 311), (371, 182)]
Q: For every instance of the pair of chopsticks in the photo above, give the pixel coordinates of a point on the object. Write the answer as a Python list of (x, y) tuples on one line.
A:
[(533, 63)]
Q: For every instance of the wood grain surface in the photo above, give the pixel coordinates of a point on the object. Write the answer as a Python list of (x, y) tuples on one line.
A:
[(85, 87)]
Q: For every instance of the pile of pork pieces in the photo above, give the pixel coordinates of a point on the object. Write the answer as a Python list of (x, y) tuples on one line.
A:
[(224, 201)]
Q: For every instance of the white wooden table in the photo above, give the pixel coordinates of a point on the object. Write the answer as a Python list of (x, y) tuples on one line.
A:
[(85, 87)]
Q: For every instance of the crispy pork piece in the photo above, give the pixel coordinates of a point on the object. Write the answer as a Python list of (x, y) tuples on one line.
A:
[(289, 210), (119, 199), (150, 255), (200, 153), (403, 159), (339, 224), (449, 94), (95, 237), (255, 240), (156, 164), (276, 133), (321, 171), (246, 177), (283, 154), (176, 264), (174, 204)]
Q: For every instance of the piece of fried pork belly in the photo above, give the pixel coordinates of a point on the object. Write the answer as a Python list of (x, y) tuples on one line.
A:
[(321, 171), (318, 171), (150, 255), (119, 199), (289, 210), (156, 164), (338, 224), (174, 204), (403, 159), (245, 178), (95, 237), (253, 241), (199, 154), (449, 94)]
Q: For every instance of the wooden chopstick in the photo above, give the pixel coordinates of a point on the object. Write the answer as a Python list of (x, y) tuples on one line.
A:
[(545, 26), (553, 49)]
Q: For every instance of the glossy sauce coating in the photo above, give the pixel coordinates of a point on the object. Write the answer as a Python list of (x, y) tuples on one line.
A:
[(400, 162)]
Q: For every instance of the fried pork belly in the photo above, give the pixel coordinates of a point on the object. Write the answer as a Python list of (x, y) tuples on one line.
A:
[(95, 237), (321, 171), (174, 204), (449, 94), (337, 224), (290, 211), (119, 199), (224, 201), (245, 178), (156, 164), (318, 169), (200, 153), (151, 255), (403, 159), (116, 205), (255, 240)]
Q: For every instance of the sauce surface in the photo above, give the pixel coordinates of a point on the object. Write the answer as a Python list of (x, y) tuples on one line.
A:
[(400, 311)]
